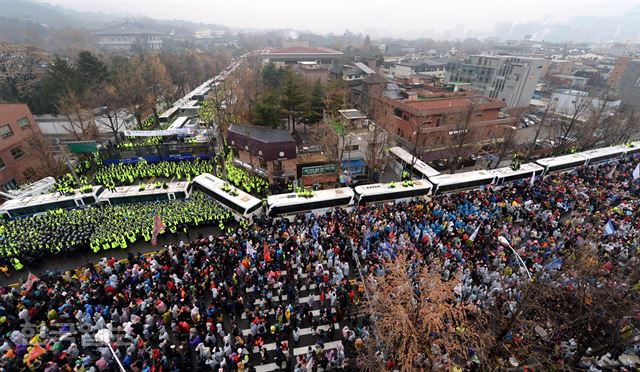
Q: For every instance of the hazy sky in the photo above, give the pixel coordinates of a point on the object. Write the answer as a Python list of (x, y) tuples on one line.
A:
[(398, 17)]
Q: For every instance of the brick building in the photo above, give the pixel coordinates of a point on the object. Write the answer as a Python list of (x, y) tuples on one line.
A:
[(618, 71), (431, 120), (20, 162), (267, 152)]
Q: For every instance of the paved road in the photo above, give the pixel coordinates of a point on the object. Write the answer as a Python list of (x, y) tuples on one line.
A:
[(71, 262)]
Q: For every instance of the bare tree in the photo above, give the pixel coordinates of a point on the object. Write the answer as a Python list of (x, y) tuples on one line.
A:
[(417, 318), (80, 121), (41, 146), (602, 120), (217, 111), (461, 134), (542, 125), (568, 122), (506, 146), (18, 69)]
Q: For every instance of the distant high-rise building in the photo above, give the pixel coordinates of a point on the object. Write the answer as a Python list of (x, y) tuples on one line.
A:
[(510, 79), (629, 85)]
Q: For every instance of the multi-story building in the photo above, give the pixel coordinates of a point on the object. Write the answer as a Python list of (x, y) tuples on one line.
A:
[(267, 152), (510, 79), (411, 67), (560, 66), (629, 85), (432, 120), (292, 53), (618, 71), (565, 102), (20, 158), (125, 36)]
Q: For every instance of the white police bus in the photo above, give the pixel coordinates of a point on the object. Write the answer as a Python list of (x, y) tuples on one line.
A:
[(241, 204), (448, 183), (321, 201), (392, 192), (150, 193), (564, 163), (38, 204), (525, 172), (403, 160)]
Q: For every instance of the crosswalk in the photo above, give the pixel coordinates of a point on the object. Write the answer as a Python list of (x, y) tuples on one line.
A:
[(308, 336)]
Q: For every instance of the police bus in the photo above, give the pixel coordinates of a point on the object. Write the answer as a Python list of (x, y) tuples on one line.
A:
[(392, 192), (403, 160), (602, 155), (564, 163), (448, 183), (148, 193), (241, 204), (38, 204), (525, 172), (321, 201)]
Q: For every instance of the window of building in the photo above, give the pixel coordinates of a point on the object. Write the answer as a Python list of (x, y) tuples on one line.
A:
[(263, 164), (2, 165), (351, 147), (277, 165), (6, 131), (10, 185), (24, 122), (17, 153), (29, 173), (397, 112), (236, 153)]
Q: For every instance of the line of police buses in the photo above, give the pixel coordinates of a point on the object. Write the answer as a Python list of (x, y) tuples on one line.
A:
[(427, 182)]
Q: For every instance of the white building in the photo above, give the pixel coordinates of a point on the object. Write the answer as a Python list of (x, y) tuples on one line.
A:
[(512, 79), (565, 102), (60, 130), (124, 36)]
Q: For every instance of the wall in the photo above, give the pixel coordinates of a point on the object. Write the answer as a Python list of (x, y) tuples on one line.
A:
[(30, 166)]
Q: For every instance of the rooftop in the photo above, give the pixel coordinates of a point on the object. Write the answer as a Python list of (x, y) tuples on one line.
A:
[(262, 134), (299, 50), (126, 28), (352, 114)]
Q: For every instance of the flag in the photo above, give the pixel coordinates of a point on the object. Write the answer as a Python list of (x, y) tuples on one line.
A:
[(31, 279), (610, 175), (266, 253), (608, 228), (555, 264), (35, 353), (533, 179), (475, 233), (636, 172), (158, 227)]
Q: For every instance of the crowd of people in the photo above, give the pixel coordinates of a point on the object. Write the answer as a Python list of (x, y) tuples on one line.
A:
[(219, 301), (127, 174), (32, 239)]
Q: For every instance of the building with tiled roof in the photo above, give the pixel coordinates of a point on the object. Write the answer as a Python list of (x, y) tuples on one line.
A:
[(289, 55), (124, 36)]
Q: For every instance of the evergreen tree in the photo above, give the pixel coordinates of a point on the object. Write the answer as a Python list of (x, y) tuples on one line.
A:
[(294, 98), (91, 70), (272, 76), (267, 110), (61, 77), (316, 103)]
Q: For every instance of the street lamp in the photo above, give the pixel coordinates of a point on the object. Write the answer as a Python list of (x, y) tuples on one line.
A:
[(505, 242), (103, 336)]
